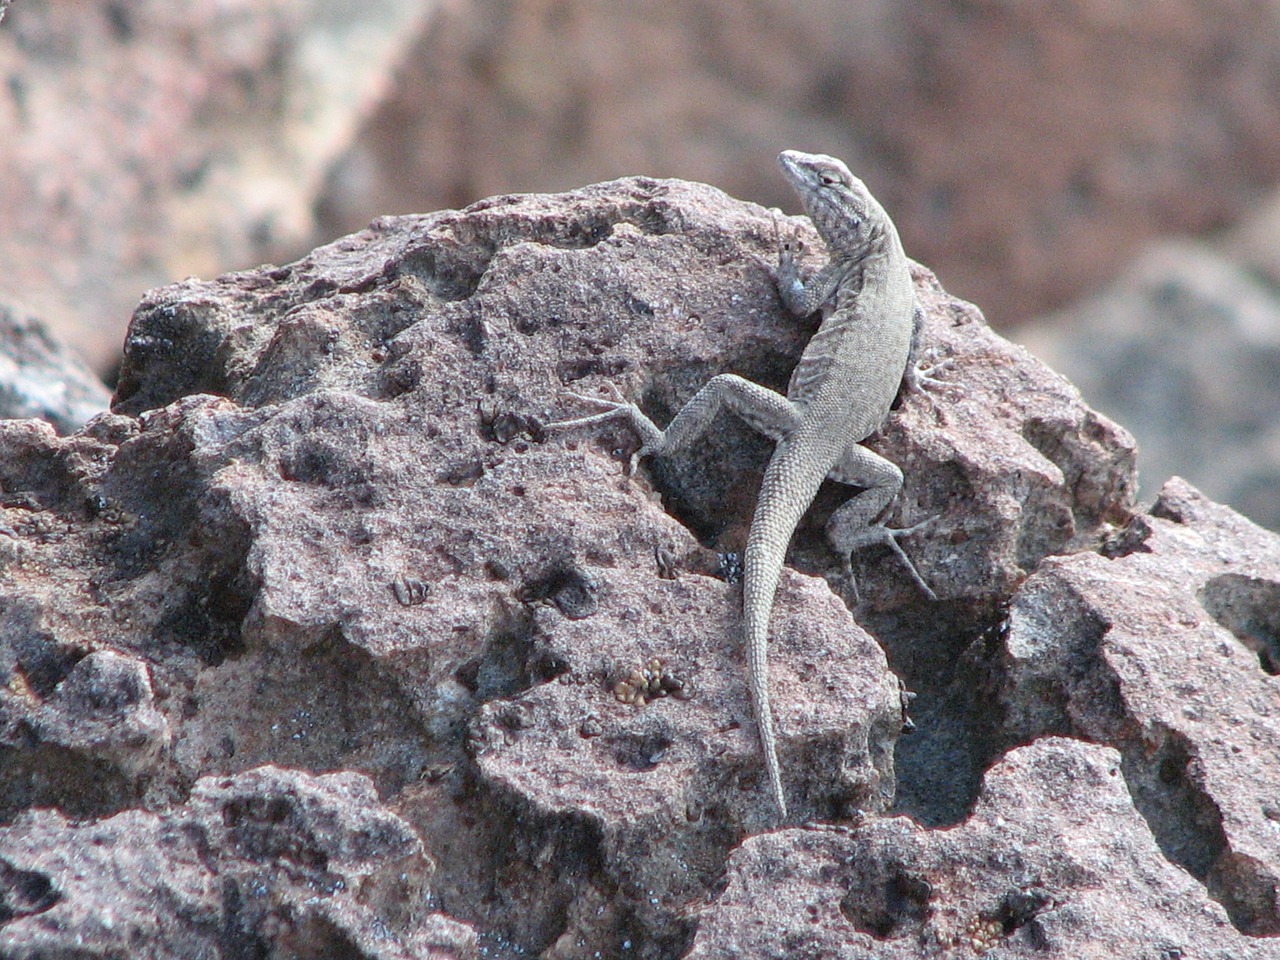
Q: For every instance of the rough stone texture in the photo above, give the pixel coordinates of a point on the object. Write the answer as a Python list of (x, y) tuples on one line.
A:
[(269, 862), (40, 377), (1026, 150), (1181, 678), (1184, 349), (1053, 862), (325, 528), (147, 140)]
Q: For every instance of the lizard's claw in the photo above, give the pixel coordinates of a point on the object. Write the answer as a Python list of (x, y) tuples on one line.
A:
[(848, 589), (789, 248), (617, 407), (891, 535), (924, 374)]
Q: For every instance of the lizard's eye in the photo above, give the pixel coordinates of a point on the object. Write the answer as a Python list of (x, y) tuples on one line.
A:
[(828, 179)]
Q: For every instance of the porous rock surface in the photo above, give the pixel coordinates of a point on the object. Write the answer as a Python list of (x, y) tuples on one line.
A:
[(326, 563), (268, 862), (1074, 874)]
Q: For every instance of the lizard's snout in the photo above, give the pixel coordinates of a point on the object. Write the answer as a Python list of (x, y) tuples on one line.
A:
[(789, 161)]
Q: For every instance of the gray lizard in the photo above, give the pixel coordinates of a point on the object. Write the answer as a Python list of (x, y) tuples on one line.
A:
[(840, 393)]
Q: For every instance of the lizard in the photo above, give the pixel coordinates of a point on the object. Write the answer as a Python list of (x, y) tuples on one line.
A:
[(840, 393)]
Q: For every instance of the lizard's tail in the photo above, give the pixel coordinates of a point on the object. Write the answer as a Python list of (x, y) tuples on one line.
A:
[(789, 486)]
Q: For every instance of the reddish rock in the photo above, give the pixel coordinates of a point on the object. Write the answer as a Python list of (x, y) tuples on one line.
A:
[(1054, 862), (268, 861), (326, 528), (1180, 676)]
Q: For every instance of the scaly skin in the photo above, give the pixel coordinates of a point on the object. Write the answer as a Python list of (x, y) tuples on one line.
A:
[(840, 393)]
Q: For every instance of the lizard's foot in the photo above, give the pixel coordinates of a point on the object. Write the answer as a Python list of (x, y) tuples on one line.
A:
[(848, 591), (891, 538), (879, 533), (787, 274), (615, 409), (924, 374)]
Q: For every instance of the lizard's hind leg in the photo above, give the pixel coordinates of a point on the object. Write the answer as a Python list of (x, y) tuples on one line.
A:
[(853, 525)]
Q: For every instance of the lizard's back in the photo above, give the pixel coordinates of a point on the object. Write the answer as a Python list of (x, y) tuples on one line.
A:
[(849, 373)]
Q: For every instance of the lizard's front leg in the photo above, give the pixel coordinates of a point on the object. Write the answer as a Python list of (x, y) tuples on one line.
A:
[(853, 525), (759, 407), (802, 296)]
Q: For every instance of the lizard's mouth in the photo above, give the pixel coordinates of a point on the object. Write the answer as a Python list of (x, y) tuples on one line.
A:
[(790, 166)]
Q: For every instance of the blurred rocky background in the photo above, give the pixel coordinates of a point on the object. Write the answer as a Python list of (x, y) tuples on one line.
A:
[(1033, 157)]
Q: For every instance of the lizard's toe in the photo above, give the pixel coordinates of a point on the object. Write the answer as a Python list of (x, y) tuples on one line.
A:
[(920, 525), (612, 409), (605, 402), (848, 585), (926, 375)]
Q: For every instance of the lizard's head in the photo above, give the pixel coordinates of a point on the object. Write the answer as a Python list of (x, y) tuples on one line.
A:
[(836, 201)]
